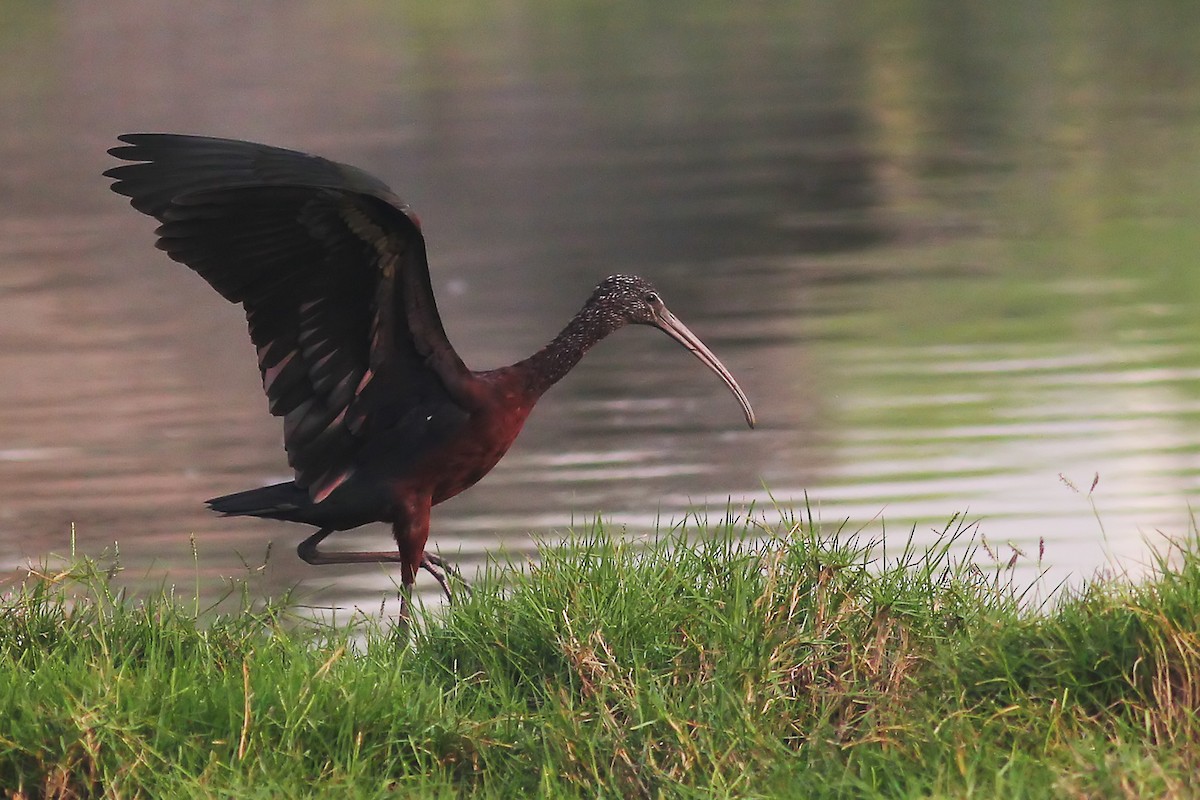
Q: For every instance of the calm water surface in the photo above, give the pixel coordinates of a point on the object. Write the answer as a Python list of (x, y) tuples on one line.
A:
[(951, 257)]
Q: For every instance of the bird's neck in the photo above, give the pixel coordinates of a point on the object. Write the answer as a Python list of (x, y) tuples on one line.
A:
[(547, 366)]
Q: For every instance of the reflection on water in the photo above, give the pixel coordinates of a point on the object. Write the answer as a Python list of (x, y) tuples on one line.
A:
[(949, 257)]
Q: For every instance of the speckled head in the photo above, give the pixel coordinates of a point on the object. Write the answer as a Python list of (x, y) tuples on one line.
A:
[(627, 299), (622, 299)]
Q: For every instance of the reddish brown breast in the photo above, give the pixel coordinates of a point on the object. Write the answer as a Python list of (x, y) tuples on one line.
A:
[(491, 430)]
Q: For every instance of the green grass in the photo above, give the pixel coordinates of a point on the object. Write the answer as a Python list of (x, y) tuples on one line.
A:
[(720, 662)]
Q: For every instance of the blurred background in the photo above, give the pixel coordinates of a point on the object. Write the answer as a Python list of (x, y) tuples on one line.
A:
[(949, 250)]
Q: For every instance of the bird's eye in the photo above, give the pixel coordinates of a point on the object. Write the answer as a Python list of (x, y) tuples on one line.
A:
[(651, 297)]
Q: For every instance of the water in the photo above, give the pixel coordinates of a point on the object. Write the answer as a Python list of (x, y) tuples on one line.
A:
[(949, 255)]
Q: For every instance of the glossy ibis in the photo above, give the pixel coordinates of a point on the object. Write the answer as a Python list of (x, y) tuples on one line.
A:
[(381, 418)]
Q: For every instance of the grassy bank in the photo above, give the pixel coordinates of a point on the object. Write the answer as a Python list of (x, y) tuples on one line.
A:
[(788, 664)]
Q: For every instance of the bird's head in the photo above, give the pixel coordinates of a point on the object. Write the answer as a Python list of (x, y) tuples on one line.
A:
[(631, 299), (627, 299)]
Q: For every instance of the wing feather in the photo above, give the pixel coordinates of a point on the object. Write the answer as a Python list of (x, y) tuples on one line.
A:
[(331, 271)]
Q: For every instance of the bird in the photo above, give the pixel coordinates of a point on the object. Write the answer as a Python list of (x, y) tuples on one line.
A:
[(381, 418)]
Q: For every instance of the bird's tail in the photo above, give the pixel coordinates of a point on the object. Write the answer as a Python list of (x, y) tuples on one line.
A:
[(280, 501)]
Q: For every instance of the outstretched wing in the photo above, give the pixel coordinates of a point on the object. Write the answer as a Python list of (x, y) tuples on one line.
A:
[(331, 270)]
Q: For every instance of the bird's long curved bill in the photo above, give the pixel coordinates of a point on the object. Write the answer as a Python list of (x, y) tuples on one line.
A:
[(669, 324)]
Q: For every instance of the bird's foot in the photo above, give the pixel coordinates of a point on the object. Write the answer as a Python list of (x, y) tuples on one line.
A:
[(442, 572)]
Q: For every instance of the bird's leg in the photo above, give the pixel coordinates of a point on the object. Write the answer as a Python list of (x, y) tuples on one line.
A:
[(434, 564), (405, 618), (308, 552), (410, 528), (411, 531)]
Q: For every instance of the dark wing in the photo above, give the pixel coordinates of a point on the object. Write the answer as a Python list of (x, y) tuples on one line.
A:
[(331, 270)]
